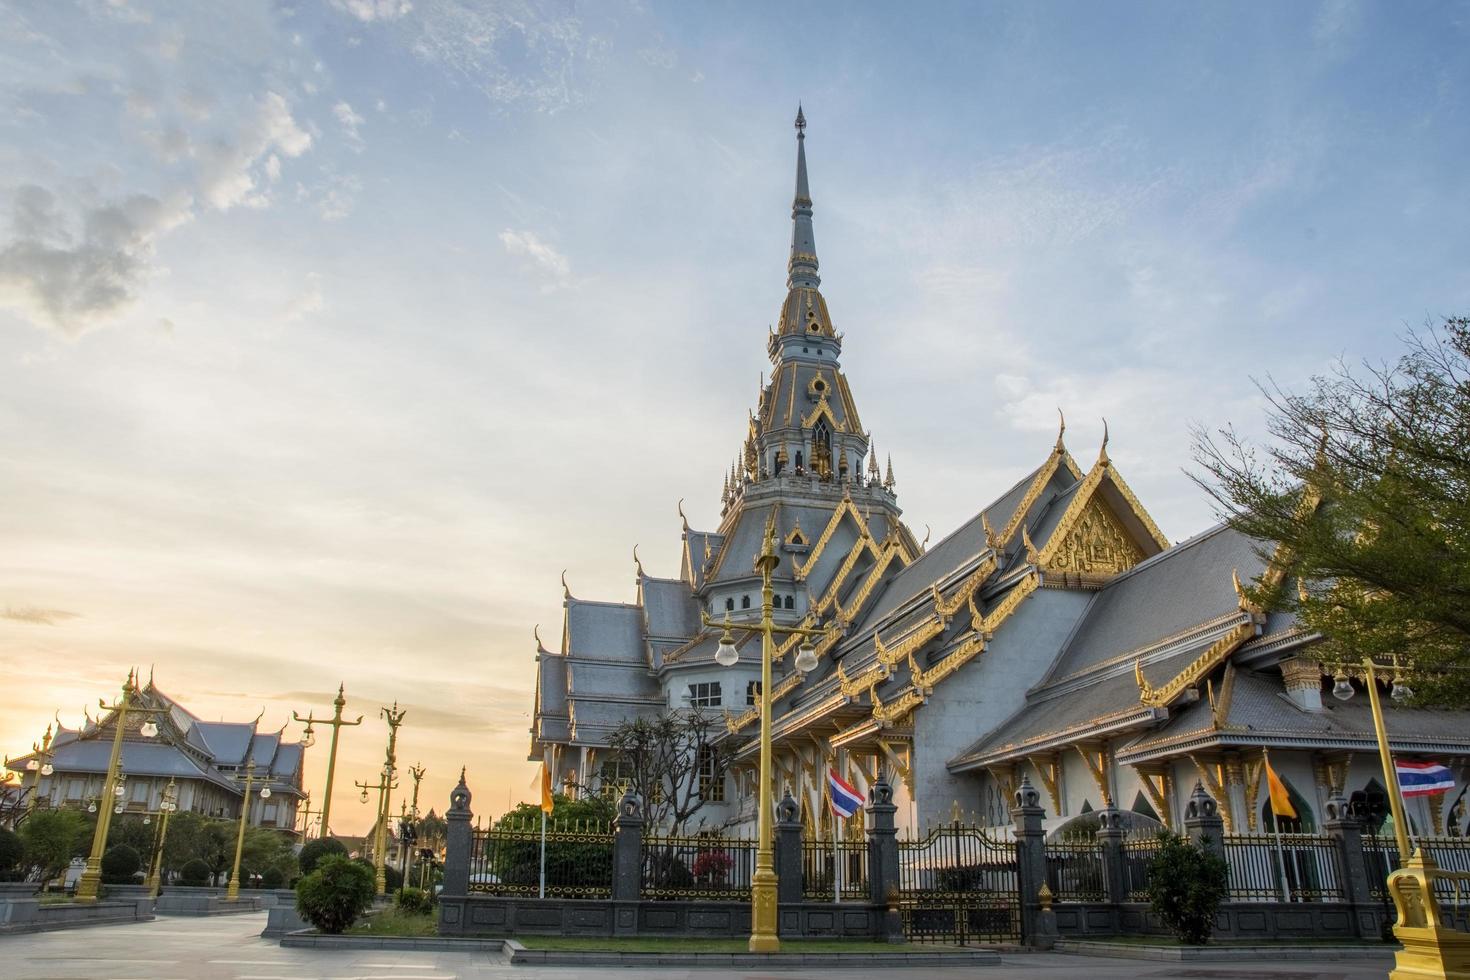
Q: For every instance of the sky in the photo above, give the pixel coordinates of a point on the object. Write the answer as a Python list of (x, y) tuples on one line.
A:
[(331, 333)]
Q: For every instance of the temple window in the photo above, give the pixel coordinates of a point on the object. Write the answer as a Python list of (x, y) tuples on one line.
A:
[(730, 605), (704, 695), (711, 780), (752, 692), (791, 602), (745, 602)]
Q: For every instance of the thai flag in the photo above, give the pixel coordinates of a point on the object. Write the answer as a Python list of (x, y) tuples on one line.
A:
[(1423, 778), (844, 796)]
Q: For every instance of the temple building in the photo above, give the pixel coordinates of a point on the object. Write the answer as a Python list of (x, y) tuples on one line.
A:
[(206, 760), (1057, 633)]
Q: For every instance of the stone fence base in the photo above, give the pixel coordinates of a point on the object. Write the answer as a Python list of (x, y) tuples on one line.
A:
[(28, 915), (478, 915), (1234, 921)]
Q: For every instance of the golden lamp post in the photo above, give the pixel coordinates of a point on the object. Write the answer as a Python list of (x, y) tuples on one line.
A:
[(763, 938), (304, 813), (1430, 949), (40, 765), (91, 879), (166, 806), (309, 740), (383, 785), (390, 767), (232, 893)]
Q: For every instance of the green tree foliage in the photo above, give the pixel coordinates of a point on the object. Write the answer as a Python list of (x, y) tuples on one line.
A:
[(12, 854), (336, 892), (194, 872), (52, 838), (1186, 885), (415, 901), (1366, 485), (120, 863), (315, 850), (129, 829), (571, 857), (432, 832), (192, 836), (262, 850), (273, 878)]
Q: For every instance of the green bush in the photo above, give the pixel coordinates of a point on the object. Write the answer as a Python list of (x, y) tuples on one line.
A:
[(392, 879), (12, 853), (335, 893), (119, 864), (1186, 885), (315, 850), (272, 878), (195, 872), (415, 901), (52, 838)]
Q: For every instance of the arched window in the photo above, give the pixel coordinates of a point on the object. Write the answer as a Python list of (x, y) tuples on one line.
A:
[(791, 602), (729, 605), (776, 463), (798, 461), (745, 602)]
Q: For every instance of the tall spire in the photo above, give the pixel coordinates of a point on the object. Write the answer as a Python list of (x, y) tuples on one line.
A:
[(802, 269)]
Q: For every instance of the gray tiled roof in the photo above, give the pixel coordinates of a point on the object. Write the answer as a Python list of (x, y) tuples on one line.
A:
[(604, 631), (1181, 587), (138, 759), (670, 608), (226, 741)]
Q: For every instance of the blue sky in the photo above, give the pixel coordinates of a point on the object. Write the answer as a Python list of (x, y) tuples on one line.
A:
[(330, 333)]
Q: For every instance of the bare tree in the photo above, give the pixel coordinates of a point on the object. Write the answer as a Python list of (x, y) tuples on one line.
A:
[(661, 759)]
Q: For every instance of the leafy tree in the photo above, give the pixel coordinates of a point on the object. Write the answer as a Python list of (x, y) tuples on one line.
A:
[(52, 838), (1366, 486), (263, 848), (195, 872), (583, 863), (335, 893), (130, 830), (119, 864), (12, 854), (659, 757), (317, 849), (433, 830), (192, 836), (1186, 885)]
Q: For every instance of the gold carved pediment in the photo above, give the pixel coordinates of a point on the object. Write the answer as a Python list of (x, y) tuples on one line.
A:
[(1096, 544)]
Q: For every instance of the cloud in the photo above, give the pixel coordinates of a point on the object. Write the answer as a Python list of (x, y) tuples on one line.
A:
[(548, 260), (36, 615), (350, 121), (228, 175), (338, 196), (370, 10), (71, 274), (310, 300)]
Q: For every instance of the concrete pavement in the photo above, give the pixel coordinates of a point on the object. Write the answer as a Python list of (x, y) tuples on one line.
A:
[(230, 948)]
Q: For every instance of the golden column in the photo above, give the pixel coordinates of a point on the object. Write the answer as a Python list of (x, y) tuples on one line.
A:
[(381, 786), (166, 806), (232, 893), (380, 843), (763, 937), (91, 878), (309, 740)]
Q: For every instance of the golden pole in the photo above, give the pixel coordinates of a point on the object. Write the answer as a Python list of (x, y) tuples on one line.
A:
[(380, 842), (43, 760), (1390, 771), (166, 806), (763, 938), (91, 879), (232, 893), (338, 704)]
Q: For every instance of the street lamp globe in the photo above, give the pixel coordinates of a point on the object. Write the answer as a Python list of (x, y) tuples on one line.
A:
[(265, 792), (47, 769), (148, 729), (92, 807), (32, 765), (725, 654), (363, 797), (1400, 691), (308, 738), (147, 819), (806, 657), (117, 809), (118, 790), (1342, 688)]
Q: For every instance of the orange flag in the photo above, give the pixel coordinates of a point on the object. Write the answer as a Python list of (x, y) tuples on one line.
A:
[(546, 801), (1280, 798)]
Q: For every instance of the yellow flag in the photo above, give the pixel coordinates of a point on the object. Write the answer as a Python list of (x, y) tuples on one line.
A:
[(1280, 799), (546, 802)]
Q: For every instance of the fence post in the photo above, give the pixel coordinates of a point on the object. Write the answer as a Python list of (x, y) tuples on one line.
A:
[(1110, 835), (1202, 822), (457, 840), (788, 851), (884, 884), (627, 849), (1038, 922), (1342, 826)]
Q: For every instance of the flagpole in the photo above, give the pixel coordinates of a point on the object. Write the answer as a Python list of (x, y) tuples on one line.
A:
[(541, 892), (836, 856), (1276, 826)]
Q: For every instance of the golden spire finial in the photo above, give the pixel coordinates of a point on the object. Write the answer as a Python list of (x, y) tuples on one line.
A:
[(990, 541), (1031, 554), (566, 590), (924, 545), (637, 564), (1061, 430), (536, 632), (1102, 453), (682, 518)]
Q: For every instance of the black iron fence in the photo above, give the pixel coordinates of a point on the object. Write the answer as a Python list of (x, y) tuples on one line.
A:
[(1138, 853), (959, 884), (819, 863), (699, 867), (1285, 867), (1381, 854), (1074, 870), (506, 859)]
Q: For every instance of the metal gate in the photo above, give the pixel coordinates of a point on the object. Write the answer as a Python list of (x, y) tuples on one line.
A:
[(959, 884)]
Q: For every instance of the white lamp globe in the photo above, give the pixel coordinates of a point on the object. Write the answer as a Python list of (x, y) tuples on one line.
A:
[(806, 657)]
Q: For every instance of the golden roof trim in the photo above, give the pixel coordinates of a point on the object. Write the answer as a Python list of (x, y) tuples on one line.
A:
[(1159, 697)]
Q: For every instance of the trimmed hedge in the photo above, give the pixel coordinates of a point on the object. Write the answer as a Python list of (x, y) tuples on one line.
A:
[(335, 893)]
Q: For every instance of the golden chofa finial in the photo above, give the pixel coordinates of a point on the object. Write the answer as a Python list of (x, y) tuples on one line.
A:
[(636, 563), (1102, 453), (924, 545), (566, 590), (1031, 554), (536, 632), (990, 540), (682, 518), (1061, 430)]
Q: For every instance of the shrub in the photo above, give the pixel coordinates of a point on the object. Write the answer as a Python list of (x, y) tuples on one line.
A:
[(712, 866), (335, 893), (315, 850), (415, 901), (272, 878), (119, 864), (12, 853), (392, 880), (1186, 885), (195, 872)]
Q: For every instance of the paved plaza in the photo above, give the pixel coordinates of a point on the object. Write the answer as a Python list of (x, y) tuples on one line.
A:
[(230, 948)]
